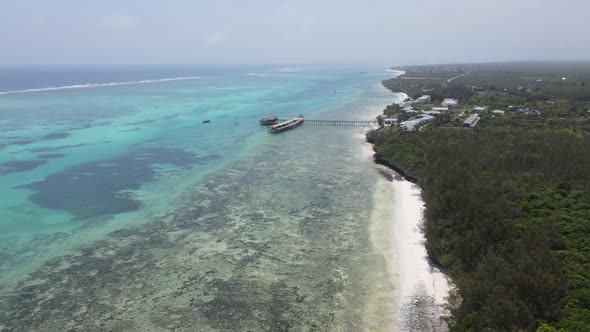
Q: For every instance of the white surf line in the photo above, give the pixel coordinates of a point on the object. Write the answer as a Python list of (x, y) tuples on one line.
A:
[(98, 85), (456, 77)]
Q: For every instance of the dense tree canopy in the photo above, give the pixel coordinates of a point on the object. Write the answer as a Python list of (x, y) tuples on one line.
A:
[(508, 214), (507, 211)]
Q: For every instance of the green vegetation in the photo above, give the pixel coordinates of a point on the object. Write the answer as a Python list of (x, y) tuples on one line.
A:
[(500, 85), (507, 203)]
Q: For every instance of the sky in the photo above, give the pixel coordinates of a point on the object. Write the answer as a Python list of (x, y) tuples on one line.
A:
[(306, 32)]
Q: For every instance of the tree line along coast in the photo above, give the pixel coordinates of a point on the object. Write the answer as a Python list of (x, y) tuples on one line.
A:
[(507, 195)]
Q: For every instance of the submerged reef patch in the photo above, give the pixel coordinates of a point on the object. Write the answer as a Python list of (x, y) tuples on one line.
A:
[(15, 140), (52, 155), (56, 135), (247, 249), (97, 188), (57, 148), (134, 123), (19, 166)]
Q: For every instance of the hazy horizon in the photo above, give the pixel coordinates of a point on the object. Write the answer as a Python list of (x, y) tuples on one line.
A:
[(311, 65), (260, 32)]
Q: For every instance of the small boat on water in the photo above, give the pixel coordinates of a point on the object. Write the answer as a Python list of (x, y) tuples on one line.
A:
[(269, 120), (286, 125)]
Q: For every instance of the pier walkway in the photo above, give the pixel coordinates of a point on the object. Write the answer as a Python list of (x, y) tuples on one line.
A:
[(338, 123)]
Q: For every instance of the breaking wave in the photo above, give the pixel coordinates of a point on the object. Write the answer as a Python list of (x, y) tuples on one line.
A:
[(98, 85), (288, 69)]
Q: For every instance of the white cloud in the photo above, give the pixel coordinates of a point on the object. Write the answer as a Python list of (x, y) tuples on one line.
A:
[(118, 21)]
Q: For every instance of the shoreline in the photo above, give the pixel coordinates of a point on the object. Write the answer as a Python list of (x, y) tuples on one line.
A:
[(420, 287), (495, 232), (397, 304), (423, 287), (396, 169)]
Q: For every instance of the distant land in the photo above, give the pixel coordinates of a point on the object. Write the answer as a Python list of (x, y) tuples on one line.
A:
[(500, 151)]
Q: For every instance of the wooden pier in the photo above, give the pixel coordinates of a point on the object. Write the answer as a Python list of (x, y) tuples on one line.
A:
[(338, 123)]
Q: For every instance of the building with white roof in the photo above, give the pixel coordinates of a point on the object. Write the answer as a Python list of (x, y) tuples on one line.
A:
[(440, 109), (471, 121), (423, 99), (433, 112), (407, 103), (450, 102), (411, 124)]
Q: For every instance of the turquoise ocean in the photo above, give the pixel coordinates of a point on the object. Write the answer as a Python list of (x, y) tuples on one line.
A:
[(122, 210)]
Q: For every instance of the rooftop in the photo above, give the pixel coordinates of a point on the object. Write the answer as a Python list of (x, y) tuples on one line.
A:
[(411, 124), (450, 102), (472, 120), (433, 112)]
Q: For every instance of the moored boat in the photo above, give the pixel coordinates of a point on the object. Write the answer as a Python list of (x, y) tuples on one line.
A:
[(286, 125), (269, 120)]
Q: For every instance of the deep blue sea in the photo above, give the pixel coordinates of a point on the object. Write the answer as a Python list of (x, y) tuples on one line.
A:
[(122, 210)]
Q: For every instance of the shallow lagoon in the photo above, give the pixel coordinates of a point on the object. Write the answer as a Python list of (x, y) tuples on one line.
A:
[(145, 218)]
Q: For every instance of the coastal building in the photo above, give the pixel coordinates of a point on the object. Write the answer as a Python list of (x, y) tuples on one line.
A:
[(479, 109), (498, 112), (450, 103), (407, 103), (471, 121), (440, 109), (412, 124), (433, 112), (528, 111), (423, 99)]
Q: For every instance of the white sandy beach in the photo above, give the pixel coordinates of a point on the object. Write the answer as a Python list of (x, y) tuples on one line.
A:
[(423, 288), (396, 72), (420, 290)]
